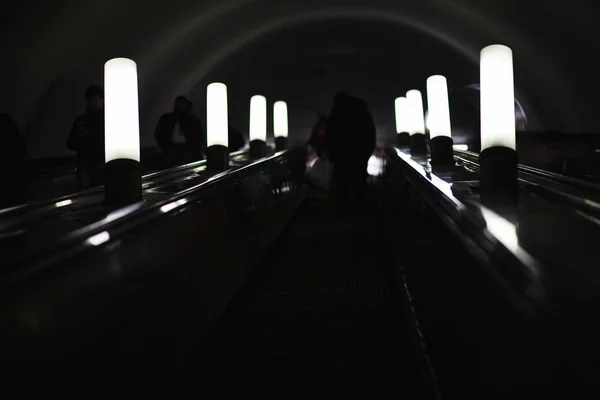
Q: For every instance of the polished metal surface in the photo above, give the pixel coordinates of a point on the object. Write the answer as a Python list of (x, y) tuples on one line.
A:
[(27, 227), (541, 249), (133, 294)]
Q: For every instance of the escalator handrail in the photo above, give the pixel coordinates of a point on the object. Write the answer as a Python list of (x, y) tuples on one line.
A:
[(123, 220), (564, 188), (147, 180), (438, 194), (473, 158)]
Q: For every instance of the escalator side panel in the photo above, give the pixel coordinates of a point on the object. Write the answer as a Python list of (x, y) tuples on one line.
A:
[(139, 305), (482, 345)]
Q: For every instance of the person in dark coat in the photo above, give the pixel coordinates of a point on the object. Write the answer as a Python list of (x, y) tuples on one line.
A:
[(235, 139), (12, 152), (350, 141), (317, 136), (87, 139), (179, 134)]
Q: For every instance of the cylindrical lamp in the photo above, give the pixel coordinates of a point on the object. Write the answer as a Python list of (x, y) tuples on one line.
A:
[(280, 125), (438, 121), (498, 158), (402, 121), (123, 176), (217, 127), (417, 122), (258, 126)]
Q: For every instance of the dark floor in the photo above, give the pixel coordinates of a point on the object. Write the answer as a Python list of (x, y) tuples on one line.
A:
[(320, 316)]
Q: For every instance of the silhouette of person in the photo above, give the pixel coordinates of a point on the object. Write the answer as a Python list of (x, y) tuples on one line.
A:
[(236, 139), (179, 134), (87, 139), (350, 141), (317, 136), (12, 152)]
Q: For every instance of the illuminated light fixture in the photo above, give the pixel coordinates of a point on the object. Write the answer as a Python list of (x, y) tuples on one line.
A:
[(98, 239), (438, 106), (258, 126), (461, 147), (438, 121), (498, 158), (280, 125), (217, 127), (417, 122), (123, 177), (402, 121)]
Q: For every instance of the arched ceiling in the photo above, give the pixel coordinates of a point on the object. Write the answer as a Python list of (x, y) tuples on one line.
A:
[(53, 50)]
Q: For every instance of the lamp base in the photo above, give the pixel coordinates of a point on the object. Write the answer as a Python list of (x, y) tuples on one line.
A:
[(281, 143), (217, 158), (403, 139), (442, 152), (258, 148), (122, 182), (498, 177), (418, 146)]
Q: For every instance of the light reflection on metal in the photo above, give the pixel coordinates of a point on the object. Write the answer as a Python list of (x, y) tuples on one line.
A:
[(440, 184), (499, 227), (171, 206), (63, 203), (506, 232), (462, 147), (99, 239)]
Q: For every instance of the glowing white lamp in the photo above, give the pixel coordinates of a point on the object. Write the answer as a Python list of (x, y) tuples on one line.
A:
[(280, 119), (258, 118), (217, 124), (438, 116), (402, 117), (415, 112), (121, 113), (497, 98)]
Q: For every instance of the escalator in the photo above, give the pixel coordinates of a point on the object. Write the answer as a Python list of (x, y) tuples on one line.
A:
[(32, 226), (244, 285), (322, 314)]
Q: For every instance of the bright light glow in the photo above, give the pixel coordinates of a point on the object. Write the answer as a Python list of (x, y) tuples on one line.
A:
[(376, 166), (280, 119), (402, 117), (217, 124), (121, 114), (99, 239), (63, 203), (415, 112), (438, 107), (171, 206), (497, 98), (258, 118), (462, 147)]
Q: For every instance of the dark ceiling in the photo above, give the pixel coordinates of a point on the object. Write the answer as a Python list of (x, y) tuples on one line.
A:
[(301, 51)]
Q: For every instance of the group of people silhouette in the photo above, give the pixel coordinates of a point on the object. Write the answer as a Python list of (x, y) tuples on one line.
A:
[(341, 145), (179, 135), (341, 142)]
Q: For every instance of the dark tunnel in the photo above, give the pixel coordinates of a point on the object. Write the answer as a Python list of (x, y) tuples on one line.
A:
[(52, 52), (350, 236)]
